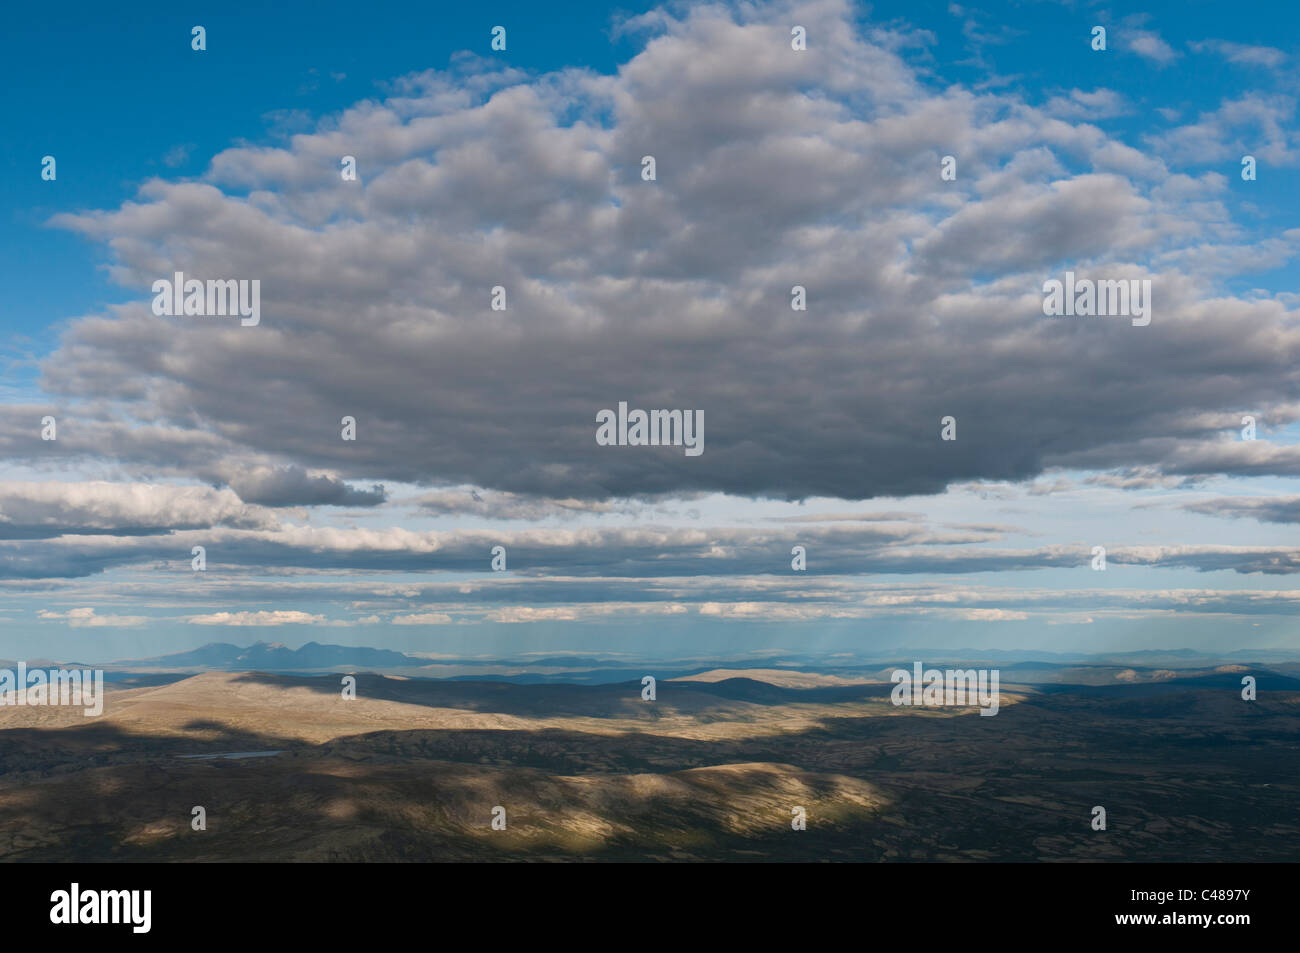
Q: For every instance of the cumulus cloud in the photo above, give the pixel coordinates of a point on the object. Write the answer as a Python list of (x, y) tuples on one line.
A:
[(773, 169), (1253, 123), (30, 510)]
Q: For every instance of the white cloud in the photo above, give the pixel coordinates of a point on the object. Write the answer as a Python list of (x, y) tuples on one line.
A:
[(1267, 57), (30, 509), (87, 618), (263, 617), (1149, 45)]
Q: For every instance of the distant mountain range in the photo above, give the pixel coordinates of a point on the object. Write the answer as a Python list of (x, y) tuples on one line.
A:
[(275, 657), (1030, 666)]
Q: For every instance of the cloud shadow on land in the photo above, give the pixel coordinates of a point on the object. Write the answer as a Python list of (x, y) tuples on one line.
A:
[(1196, 773)]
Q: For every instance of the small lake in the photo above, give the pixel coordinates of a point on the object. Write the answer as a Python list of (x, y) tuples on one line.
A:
[(232, 755)]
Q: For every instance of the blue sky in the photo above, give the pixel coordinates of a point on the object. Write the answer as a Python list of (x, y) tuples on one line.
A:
[(774, 170)]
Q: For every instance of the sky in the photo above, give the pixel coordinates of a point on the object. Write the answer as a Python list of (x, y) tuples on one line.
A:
[(774, 167)]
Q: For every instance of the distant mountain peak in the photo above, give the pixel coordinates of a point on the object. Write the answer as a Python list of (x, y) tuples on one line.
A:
[(276, 656)]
